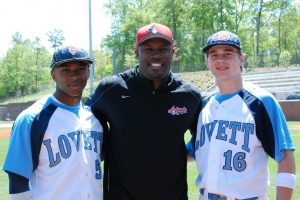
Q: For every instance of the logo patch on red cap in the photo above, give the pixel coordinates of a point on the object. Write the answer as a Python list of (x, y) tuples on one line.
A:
[(152, 30)]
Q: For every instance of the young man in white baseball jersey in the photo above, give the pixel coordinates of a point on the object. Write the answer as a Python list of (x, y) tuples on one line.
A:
[(239, 128), (55, 144)]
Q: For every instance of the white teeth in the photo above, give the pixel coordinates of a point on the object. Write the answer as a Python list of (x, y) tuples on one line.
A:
[(156, 64)]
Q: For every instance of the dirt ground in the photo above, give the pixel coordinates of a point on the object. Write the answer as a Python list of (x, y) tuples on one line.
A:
[(295, 127), (6, 133)]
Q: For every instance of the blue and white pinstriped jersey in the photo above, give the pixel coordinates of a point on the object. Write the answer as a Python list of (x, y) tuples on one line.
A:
[(234, 140), (58, 148)]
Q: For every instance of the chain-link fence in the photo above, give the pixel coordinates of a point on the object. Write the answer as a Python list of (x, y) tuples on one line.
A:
[(267, 59)]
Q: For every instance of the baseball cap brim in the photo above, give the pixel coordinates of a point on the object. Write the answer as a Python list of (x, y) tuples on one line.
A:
[(88, 61), (152, 36), (207, 47)]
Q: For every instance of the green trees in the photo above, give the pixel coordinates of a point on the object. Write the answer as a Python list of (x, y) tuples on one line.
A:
[(269, 30), (266, 27), (25, 68), (56, 38)]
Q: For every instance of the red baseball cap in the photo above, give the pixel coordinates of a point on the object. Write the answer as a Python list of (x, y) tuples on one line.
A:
[(153, 30)]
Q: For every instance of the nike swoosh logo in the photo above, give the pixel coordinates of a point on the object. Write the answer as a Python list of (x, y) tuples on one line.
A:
[(124, 96)]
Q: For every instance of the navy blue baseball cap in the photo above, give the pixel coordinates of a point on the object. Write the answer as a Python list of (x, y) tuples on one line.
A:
[(223, 38), (69, 54)]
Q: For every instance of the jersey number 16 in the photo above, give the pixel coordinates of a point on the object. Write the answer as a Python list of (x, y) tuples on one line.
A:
[(237, 161)]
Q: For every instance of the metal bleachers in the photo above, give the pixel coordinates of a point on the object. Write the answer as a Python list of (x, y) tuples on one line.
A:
[(280, 83)]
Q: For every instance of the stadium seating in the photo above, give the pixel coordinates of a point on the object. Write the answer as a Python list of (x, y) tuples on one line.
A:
[(281, 84)]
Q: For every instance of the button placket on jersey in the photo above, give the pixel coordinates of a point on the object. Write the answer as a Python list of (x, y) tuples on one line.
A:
[(84, 168), (213, 151)]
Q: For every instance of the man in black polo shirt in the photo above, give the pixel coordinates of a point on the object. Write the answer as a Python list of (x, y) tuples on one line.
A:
[(148, 109)]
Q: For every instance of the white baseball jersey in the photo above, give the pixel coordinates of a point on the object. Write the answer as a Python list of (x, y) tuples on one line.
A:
[(234, 140), (57, 147)]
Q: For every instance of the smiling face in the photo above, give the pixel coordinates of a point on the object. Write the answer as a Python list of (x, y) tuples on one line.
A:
[(71, 78), (155, 58), (225, 62)]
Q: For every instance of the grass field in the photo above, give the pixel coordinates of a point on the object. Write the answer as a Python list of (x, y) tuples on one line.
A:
[(3, 176), (192, 171)]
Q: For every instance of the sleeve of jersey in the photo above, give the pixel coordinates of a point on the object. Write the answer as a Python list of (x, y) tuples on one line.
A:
[(19, 158), (282, 136), (190, 148)]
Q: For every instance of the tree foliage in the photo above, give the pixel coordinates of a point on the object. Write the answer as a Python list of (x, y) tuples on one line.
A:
[(266, 27), (25, 68), (269, 31), (56, 38)]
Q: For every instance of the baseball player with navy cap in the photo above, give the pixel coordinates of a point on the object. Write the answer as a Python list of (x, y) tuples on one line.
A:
[(55, 144), (239, 128)]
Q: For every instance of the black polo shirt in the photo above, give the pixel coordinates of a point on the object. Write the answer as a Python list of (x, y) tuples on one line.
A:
[(145, 154)]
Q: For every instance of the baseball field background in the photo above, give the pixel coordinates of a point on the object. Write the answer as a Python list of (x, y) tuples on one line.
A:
[(192, 171)]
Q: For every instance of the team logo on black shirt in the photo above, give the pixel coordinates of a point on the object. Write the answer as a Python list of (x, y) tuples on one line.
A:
[(175, 110)]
